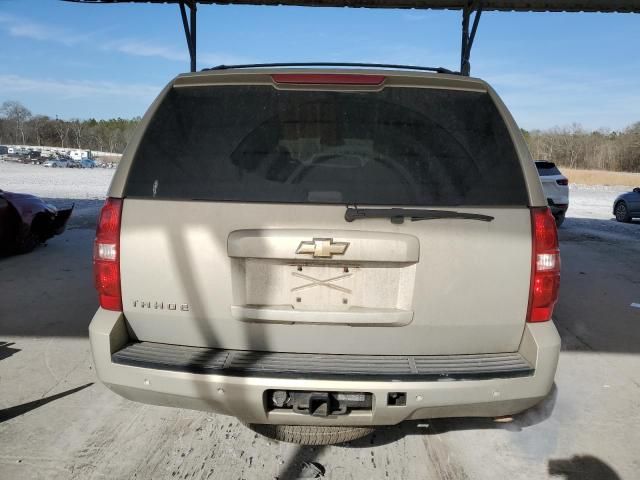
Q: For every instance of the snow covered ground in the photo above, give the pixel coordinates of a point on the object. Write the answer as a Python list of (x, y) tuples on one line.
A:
[(63, 183), (593, 201), (85, 188)]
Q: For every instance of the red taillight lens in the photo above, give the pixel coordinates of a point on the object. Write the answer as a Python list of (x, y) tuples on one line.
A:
[(106, 255), (545, 266), (562, 181), (328, 78)]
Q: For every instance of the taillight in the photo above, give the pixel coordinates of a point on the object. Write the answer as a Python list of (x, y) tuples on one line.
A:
[(562, 181), (328, 78), (106, 255), (545, 266)]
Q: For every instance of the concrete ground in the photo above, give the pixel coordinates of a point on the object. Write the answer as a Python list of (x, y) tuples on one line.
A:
[(58, 421)]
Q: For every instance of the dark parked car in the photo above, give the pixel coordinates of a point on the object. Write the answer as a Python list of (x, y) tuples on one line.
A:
[(74, 164), (627, 206), (13, 157), (31, 157), (27, 220)]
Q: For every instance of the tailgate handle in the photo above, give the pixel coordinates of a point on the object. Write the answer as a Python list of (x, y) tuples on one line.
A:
[(293, 244), (355, 317)]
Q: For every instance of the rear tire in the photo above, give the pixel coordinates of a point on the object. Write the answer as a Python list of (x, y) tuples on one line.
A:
[(621, 212), (311, 435), (28, 239), (31, 236), (9, 234), (559, 219)]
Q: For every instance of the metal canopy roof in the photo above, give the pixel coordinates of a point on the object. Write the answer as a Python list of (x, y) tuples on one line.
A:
[(468, 7), (628, 6)]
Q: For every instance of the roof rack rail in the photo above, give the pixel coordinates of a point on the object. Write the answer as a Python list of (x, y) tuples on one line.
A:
[(334, 64)]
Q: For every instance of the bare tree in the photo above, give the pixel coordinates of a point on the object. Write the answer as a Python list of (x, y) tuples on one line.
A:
[(5, 133), (97, 141), (18, 114), (18, 125), (38, 123), (114, 139), (77, 126), (62, 129), (570, 146), (577, 148)]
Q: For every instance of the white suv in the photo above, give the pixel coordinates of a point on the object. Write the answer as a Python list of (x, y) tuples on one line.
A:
[(556, 189)]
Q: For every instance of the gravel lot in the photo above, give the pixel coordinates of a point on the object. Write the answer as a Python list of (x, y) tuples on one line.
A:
[(83, 187), (58, 421), (62, 183)]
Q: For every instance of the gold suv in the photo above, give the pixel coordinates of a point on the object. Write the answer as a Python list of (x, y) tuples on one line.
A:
[(319, 251)]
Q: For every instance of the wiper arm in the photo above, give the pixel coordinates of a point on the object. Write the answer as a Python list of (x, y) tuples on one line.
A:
[(397, 215)]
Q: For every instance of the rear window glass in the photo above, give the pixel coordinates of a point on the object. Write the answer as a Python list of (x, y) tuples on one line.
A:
[(546, 169), (399, 146)]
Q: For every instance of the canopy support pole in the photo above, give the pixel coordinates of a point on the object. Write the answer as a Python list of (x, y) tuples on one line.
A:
[(475, 7), (190, 28)]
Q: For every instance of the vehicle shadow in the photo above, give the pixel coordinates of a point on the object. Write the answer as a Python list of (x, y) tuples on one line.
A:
[(12, 412), (303, 464), (437, 426), (6, 351), (599, 280), (593, 229), (49, 292), (258, 341), (582, 467)]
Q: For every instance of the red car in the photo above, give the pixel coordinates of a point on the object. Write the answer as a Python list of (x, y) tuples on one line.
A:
[(27, 220)]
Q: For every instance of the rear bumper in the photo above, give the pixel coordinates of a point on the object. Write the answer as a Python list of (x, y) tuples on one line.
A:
[(59, 222), (243, 396), (557, 208)]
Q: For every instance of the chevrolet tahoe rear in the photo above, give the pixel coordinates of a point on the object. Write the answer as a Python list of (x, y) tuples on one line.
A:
[(321, 251)]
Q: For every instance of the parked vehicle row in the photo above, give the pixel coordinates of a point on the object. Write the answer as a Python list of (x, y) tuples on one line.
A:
[(626, 206), (66, 162), (51, 158), (53, 161)]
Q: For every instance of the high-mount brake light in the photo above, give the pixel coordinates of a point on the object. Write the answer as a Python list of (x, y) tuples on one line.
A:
[(545, 266), (106, 255), (328, 78)]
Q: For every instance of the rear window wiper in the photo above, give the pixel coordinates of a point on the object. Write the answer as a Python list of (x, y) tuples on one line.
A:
[(397, 215)]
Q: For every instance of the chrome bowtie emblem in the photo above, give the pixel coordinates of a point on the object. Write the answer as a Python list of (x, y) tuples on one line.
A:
[(322, 247)]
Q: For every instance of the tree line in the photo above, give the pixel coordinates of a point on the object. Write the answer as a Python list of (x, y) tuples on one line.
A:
[(573, 146), (18, 126), (576, 147)]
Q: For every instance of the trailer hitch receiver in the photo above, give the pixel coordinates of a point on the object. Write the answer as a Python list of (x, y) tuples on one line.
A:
[(319, 404)]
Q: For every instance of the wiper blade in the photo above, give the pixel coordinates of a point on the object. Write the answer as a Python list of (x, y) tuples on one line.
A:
[(397, 215)]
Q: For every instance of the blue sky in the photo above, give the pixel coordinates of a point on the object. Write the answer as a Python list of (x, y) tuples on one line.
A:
[(101, 61)]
